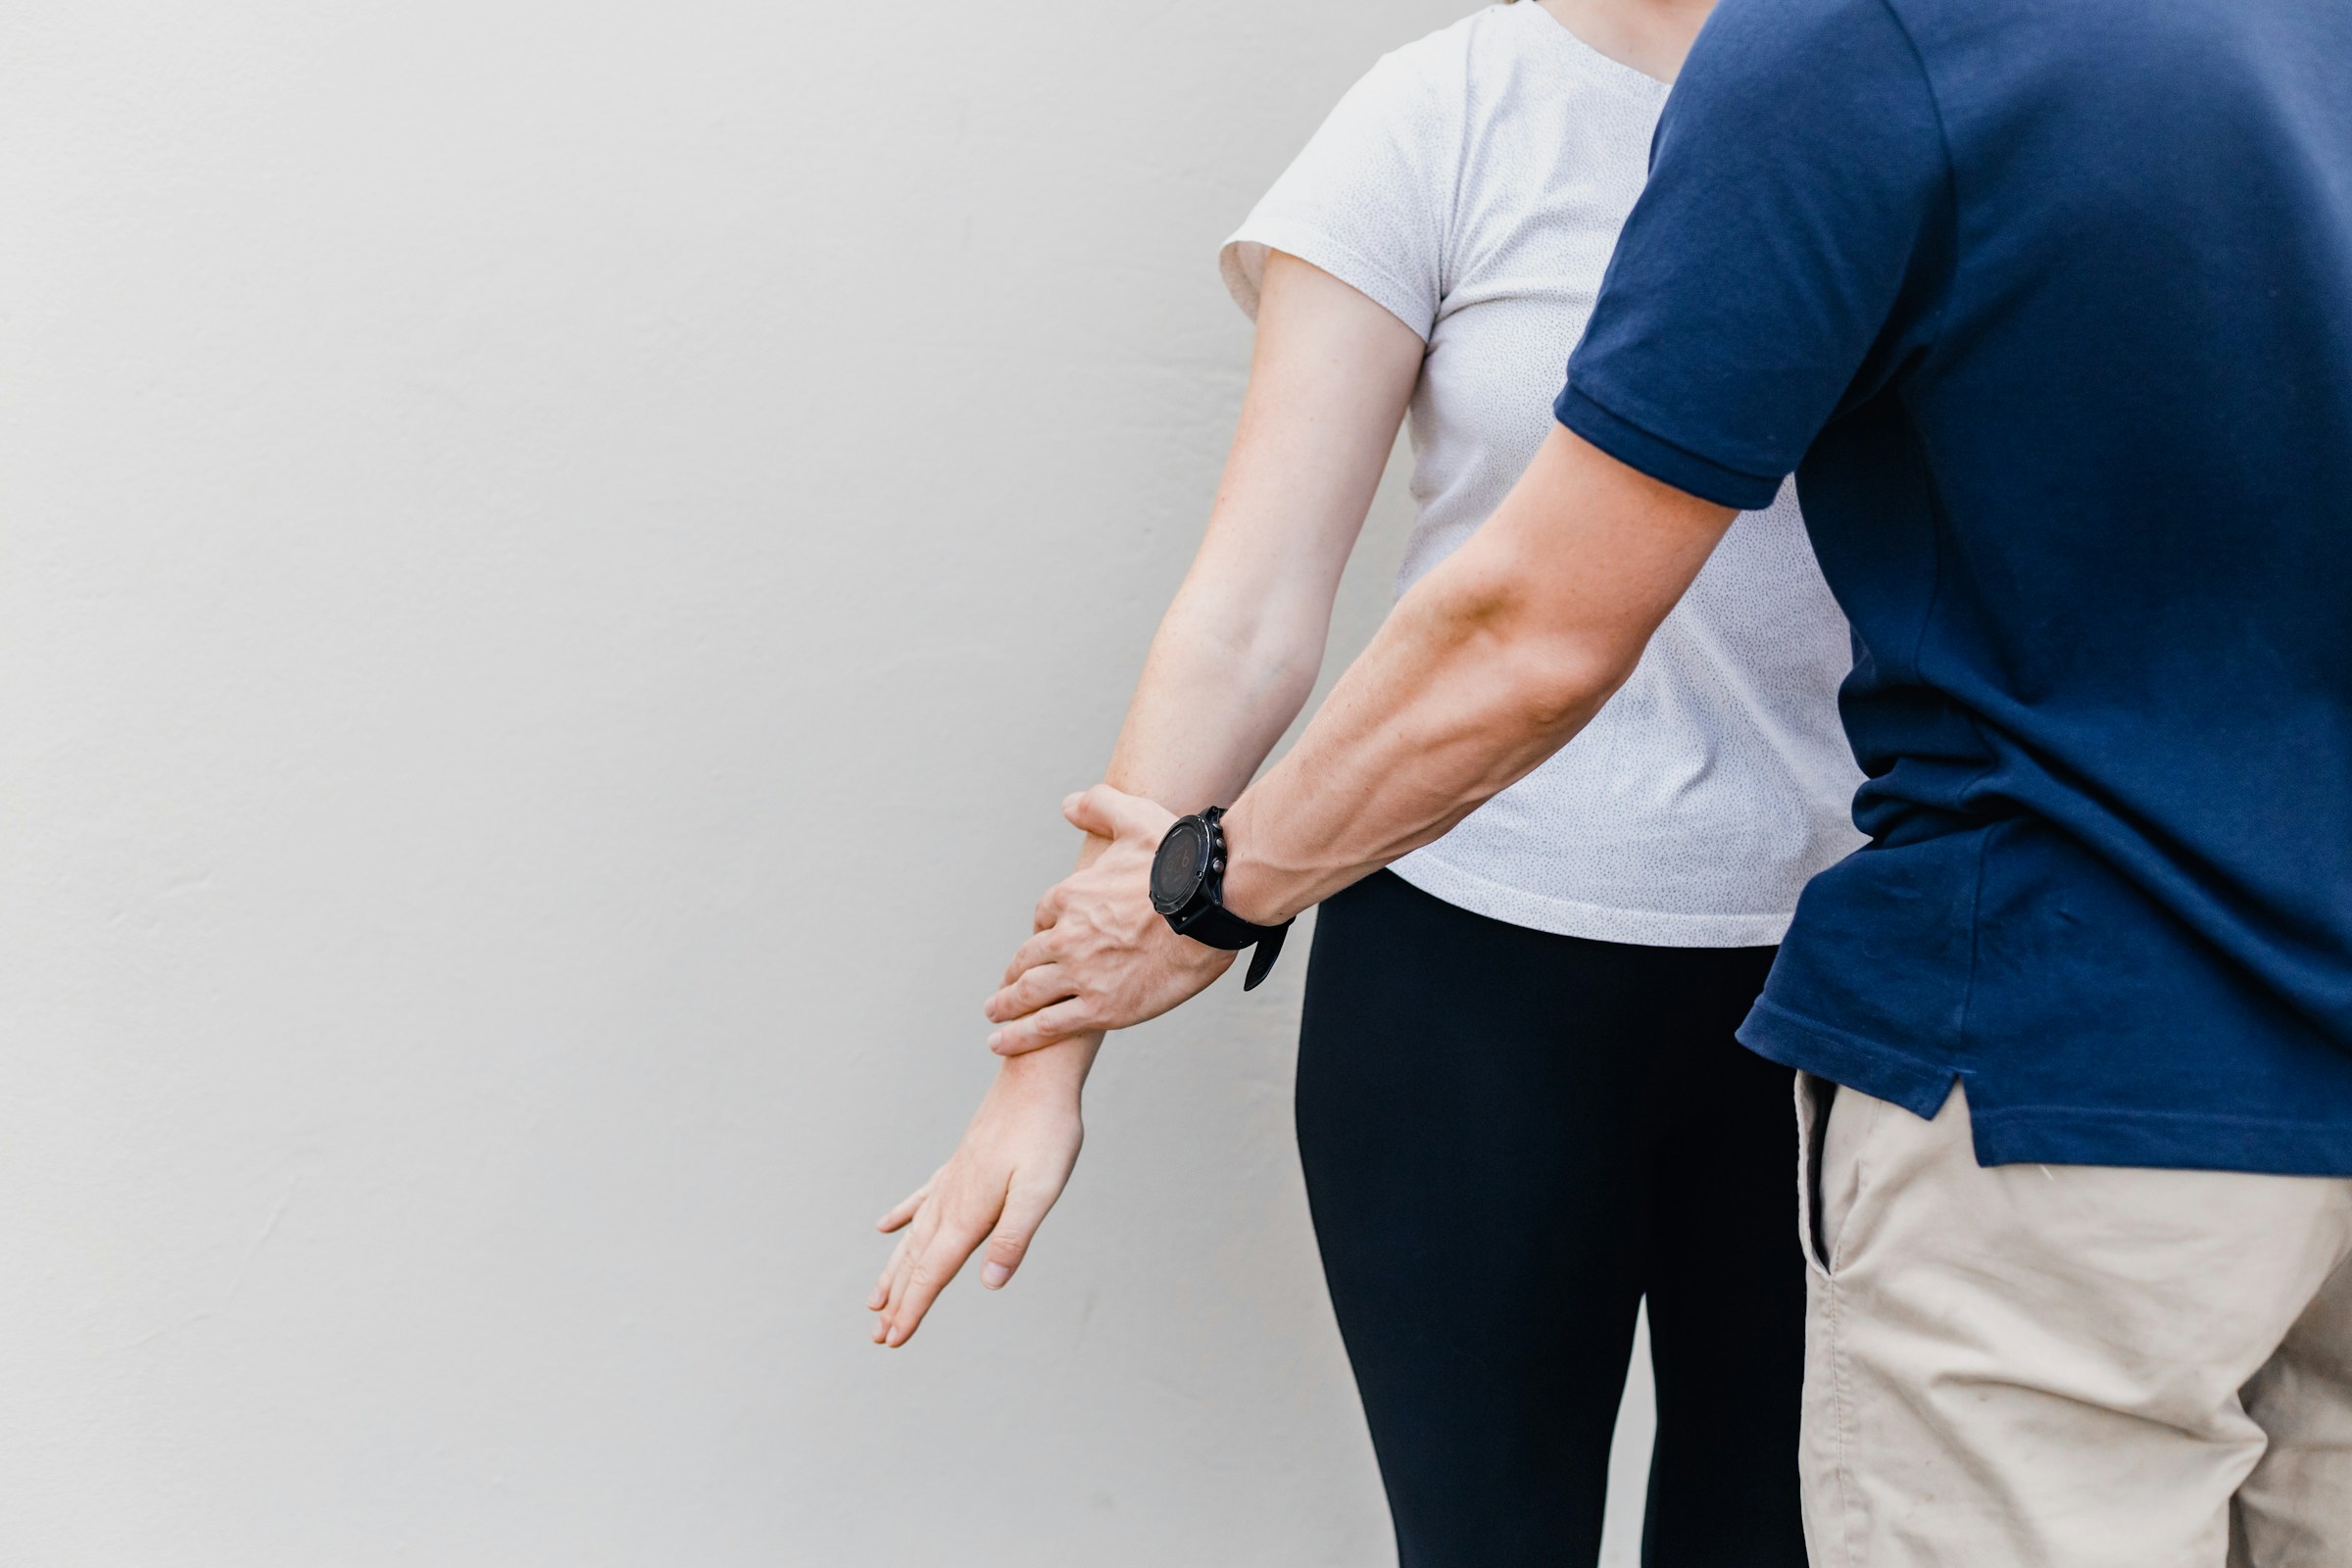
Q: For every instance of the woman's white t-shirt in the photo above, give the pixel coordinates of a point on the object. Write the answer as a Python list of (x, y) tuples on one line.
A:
[(1473, 183)]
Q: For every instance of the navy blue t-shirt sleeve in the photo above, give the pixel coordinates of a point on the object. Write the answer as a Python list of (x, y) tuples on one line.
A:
[(1784, 256)]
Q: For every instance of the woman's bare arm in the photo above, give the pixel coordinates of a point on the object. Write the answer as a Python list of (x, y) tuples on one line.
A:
[(1234, 662), (1493, 662), (1238, 652)]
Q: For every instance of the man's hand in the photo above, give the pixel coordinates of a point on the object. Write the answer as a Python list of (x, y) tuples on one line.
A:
[(1004, 1178), (1102, 958)]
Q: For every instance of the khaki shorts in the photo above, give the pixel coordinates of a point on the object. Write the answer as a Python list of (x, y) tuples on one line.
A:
[(2066, 1366)]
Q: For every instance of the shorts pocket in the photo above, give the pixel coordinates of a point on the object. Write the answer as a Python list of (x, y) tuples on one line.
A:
[(1814, 1096), (1835, 1133)]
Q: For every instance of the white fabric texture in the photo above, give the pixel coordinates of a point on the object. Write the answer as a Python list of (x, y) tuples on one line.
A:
[(1473, 183)]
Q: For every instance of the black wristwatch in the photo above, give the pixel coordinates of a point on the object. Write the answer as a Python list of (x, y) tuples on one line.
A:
[(1188, 886)]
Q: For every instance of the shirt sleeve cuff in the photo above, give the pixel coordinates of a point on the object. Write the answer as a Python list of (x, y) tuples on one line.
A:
[(1243, 262), (1661, 458)]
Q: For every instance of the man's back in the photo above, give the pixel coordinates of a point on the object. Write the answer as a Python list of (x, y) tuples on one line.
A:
[(2062, 352)]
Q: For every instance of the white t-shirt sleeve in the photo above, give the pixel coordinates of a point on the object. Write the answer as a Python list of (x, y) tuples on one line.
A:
[(1367, 199)]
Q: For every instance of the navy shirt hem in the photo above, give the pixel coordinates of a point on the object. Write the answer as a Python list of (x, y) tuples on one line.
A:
[(1920, 1087), (2068, 1135), (1660, 458), (2051, 1134)]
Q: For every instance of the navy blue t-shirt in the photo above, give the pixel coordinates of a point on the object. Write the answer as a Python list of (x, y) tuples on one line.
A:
[(2049, 307)]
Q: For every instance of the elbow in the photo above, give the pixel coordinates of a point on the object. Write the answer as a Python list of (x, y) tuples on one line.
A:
[(1271, 650), (1280, 659), (1558, 683), (1552, 668)]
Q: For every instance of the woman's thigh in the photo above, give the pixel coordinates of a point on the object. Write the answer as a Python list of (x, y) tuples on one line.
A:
[(1475, 1120)]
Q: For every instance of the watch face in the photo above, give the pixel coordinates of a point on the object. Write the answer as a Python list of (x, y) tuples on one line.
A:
[(1176, 869)]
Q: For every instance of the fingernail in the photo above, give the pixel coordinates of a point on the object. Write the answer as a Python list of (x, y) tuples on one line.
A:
[(994, 1275), (996, 1042)]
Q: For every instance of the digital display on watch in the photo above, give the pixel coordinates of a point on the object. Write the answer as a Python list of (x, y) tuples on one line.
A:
[(1176, 869)]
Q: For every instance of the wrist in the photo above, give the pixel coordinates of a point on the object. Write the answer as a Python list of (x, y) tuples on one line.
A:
[(1057, 1069), (1252, 889)]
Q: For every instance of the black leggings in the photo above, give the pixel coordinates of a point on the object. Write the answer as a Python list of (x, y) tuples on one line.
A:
[(1510, 1138)]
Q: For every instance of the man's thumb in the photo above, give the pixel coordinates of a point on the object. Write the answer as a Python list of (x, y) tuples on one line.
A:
[(1097, 810)]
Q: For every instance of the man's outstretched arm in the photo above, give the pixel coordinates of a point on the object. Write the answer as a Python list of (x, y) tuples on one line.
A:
[(1487, 667)]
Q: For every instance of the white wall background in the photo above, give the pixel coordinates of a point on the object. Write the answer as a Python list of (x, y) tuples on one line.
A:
[(555, 560)]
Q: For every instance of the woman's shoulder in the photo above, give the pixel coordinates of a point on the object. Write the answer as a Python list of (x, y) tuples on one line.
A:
[(1442, 59), (1431, 88), (1499, 59)]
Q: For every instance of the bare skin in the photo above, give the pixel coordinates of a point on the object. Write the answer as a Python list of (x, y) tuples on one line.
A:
[(1491, 664), (1233, 664)]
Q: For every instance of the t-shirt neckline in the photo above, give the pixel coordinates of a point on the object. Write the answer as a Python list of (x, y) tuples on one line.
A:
[(1613, 74)]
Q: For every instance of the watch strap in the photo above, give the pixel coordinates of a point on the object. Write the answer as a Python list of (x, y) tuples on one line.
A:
[(1216, 926), (1269, 948), (1208, 922), (1213, 925)]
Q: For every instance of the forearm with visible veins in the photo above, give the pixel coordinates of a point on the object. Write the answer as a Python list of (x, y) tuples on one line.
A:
[(1491, 664), (1444, 710)]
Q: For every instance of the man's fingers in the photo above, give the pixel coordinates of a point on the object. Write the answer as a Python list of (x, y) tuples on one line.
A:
[(1039, 949), (1064, 1020), (1024, 1211), (1048, 908), (1089, 813), (1041, 987), (1112, 814)]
